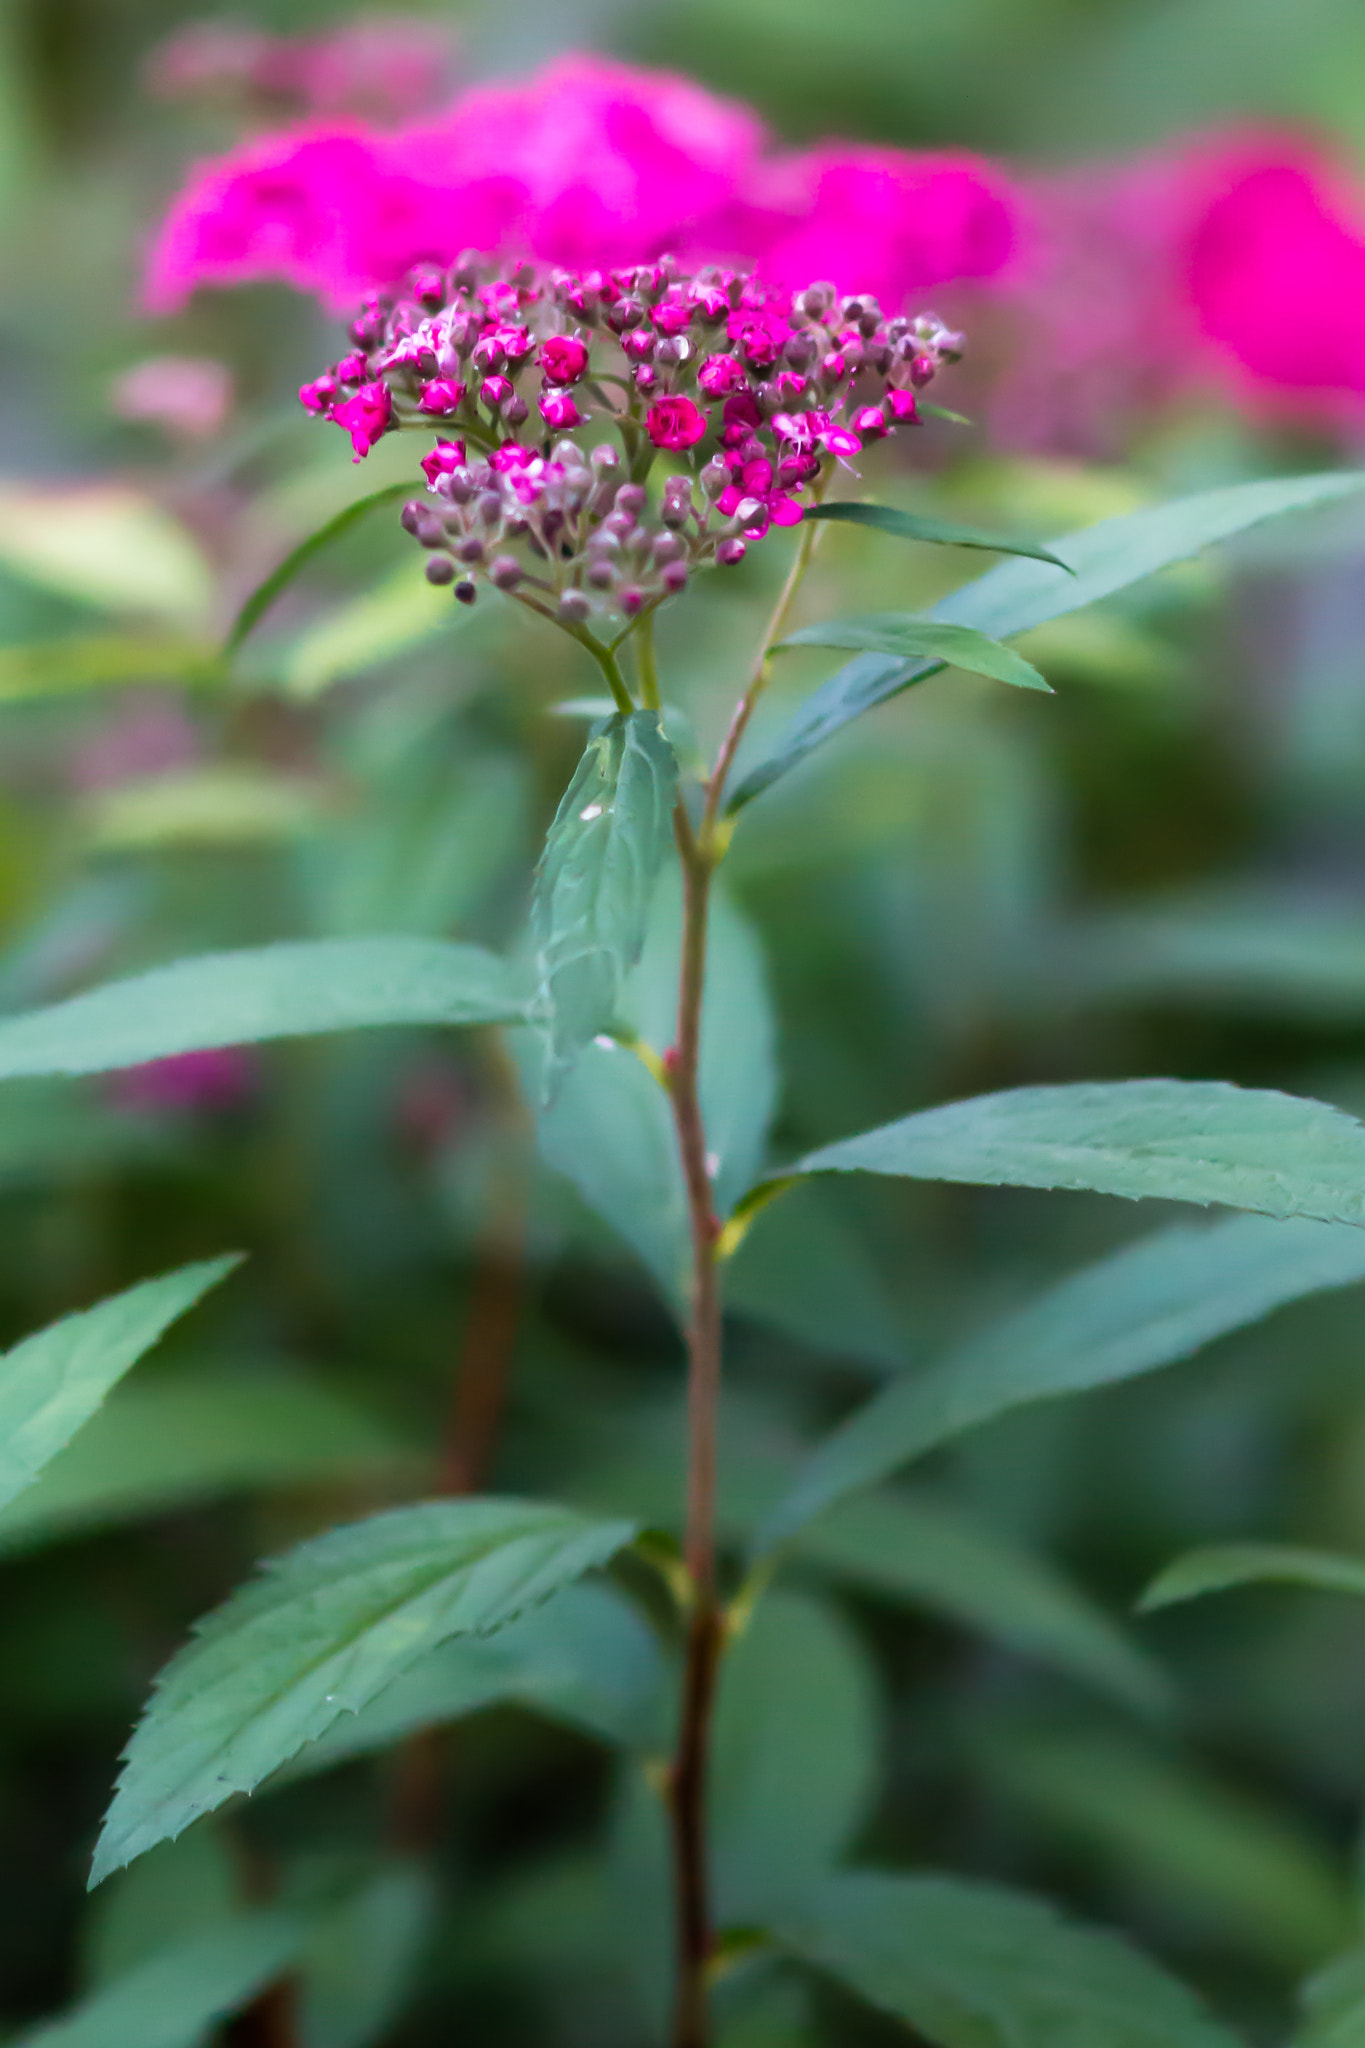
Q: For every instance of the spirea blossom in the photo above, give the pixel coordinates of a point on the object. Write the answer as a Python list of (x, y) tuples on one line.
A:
[(558, 390)]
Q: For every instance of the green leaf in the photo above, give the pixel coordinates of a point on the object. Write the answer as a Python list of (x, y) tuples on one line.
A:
[(596, 878), (923, 640), (921, 1550), (54, 1381), (320, 1633), (805, 1270), (220, 804), (1235, 1864), (400, 612), (356, 1972), (1146, 1306), (585, 1658), (170, 2000), (58, 668), (1334, 2005), (976, 1966), (1178, 1141), (1014, 596), (175, 1891), (105, 545), (946, 532), (1251, 949), (283, 991), (797, 1755), (157, 1447), (1219, 1566), (279, 579)]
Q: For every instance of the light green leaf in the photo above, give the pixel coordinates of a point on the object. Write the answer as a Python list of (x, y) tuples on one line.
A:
[(398, 614), (356, 1972), (677, 726), (921, 1550), (923, 640), (1334, 2005), (1222, 1565), (279, 579), (223, 804), (58, 668), (1016, 595), (283, 991), (596, 878), (169, 2001), (976, 1966), (54, 1381), (1146, 1306), (585, 1658), (1178, 1141), (797, 1755), (320, 1634), (104, 545), (1243, 1869), (155, 1447), (945, 532)]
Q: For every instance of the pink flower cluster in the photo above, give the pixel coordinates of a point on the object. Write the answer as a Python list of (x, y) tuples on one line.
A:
[(757, 391), (589, 162)]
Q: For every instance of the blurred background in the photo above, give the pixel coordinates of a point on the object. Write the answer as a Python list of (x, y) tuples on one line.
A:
[(1158, 871)]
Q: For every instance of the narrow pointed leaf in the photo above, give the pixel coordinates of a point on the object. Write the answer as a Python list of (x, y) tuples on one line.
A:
[(1178, 1141), (54, 1381), (284, 991), (924, 640), (279, 579), (596, 878), (320, 1634), (1014, 596), (1223, 1565), (175, 1996), (976, 1966), (944, 532), (1143, 1307)]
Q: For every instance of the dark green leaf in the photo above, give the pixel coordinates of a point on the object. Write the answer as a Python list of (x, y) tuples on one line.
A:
[(169, 2001), (596, 879), (946, 532), (975, 1966), (1145, 1306), (356, 1972), (320, 1633), (924, 640), (1014, 596), (279, 579), (283, 991), (1222, 1565), (54, 1381), (804, 1269)]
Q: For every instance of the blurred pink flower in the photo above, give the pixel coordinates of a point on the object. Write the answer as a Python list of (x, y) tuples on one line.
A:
[(187, 395), (387, 67), (208, 1082)]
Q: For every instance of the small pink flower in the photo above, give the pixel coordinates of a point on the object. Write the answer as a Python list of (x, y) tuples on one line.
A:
[(511, 456), (563, 358), (442, 395), (443, 460), (719, 375), (366, 417), (741, 417), (320, 394), (870, 421), (711, 302), (672, 317), (559, 411), (760, 332), (904, 407), (675, 423)]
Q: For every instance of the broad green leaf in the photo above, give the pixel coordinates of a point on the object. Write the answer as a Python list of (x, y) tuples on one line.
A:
[(585, 1657), (54, 1381), (677, 726), (976, 1966), (923, 640), (171, 1999), (1247, 1871), (217, 805), (1178, 1141), (177, 1890), (321, 1633), (399, 613), (1146, 1306), (919, 1549), (282, 991), (804, 1269), (796, 1758), (1016, 595), (596, 879), (356, 1971), (1334, 2005), (104, 545), (157, 1447), (279, 579), (58, 668), (1220, 1566), (945, 532)]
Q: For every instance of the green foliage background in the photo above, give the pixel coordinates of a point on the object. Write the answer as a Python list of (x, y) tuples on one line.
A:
[(1159, 871)]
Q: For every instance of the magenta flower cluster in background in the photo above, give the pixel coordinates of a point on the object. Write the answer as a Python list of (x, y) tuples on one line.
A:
[(1233, 263)]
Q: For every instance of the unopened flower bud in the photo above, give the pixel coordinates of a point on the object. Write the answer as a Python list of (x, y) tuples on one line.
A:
[(619, 524), (671, 351), (505, 572), (442, 395), (922, 370), (646, 378), (575, 608), (412, 515), (632, 600), (632, 498), (715, 478), (440, 569), (516, 412), (747, 511), (470, 549), (625, 315), (495, 391), (431, 533), (816, 302), (489, 507), (731, 551), (667, 548), (601, 575), (801, 352), (466, 591), (675, 577)]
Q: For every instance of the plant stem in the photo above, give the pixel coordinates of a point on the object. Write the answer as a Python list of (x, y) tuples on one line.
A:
[(645, 662)]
